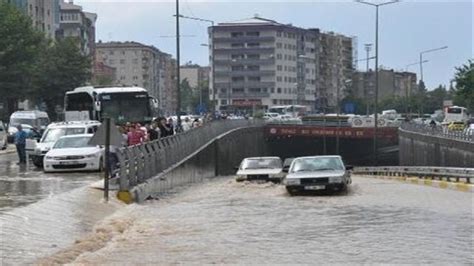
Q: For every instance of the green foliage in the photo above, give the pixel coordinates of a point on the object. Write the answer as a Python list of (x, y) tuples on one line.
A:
[(20, 47), (60, 68), (464, 90), (191, 97)]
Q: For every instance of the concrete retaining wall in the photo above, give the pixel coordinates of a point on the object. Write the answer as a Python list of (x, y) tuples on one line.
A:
[(424, 150), (217, 157)]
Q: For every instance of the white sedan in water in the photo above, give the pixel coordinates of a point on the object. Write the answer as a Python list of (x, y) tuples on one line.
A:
[(260, 168), (73, 153)]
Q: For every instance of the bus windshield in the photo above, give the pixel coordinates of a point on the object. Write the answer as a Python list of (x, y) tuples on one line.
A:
[(126, 107)]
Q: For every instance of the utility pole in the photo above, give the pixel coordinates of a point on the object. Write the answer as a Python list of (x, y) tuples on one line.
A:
[(178, 77), (368, 47)]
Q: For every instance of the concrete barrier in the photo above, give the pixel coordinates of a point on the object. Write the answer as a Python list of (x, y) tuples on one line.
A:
[(216, 157)]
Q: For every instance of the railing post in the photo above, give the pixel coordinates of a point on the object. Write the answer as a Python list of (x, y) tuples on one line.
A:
[(123, 175)]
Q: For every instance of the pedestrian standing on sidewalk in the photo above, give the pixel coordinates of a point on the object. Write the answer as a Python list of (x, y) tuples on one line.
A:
[(20, 142)]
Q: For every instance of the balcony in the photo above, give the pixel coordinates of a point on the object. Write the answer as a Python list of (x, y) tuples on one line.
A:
[(244, 39), (242, 95), (266, 61), (265, 49), (250, 73), (246, 84)]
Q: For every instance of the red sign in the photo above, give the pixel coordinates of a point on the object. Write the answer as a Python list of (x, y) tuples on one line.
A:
[(246, 102)]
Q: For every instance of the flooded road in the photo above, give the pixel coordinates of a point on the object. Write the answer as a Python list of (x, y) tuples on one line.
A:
[(20, 186), (221, 221)]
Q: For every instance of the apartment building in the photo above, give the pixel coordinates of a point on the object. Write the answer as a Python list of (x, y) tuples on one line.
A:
[(260, 63), (43, 13), (391, 84), (336, 68), (76, 23), (194, 74), (144, 66)]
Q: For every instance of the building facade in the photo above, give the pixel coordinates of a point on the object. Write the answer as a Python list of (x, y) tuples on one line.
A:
[(77, 24), (43, 13), (141, 65), (261, 63), (194, 74), (391, 84)]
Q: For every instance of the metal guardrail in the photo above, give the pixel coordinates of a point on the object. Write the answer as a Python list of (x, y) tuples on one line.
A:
[(140, 162), (437, 131), (437, 173)]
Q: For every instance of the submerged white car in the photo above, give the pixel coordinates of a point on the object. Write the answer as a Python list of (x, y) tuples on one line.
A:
[(315, 173), (260, 168), (73, 153)]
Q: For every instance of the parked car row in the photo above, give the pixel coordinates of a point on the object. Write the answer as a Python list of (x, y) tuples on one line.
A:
[(302, 174)]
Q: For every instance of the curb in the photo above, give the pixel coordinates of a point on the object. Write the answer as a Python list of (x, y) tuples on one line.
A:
[(463, 187)]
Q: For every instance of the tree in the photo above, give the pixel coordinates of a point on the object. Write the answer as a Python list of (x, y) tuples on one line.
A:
[(464, 90), (20, 47), (61, 68)]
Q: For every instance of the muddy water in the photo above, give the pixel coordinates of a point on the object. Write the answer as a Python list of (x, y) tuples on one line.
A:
[(221, 221)]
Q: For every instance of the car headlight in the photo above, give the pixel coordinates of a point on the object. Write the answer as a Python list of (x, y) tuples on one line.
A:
[(292, 181), (90, 156), (335, 179)]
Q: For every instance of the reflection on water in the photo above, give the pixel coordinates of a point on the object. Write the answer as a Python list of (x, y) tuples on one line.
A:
[(221, 221)]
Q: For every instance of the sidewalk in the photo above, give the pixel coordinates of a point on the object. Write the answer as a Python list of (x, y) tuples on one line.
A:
[(9, 149)]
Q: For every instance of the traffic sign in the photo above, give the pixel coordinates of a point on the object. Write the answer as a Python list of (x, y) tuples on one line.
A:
[(116, 138)]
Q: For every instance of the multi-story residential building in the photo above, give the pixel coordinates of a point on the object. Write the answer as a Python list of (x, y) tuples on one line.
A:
[(144, 66), (259, 63), (43, 13), (391, 83), (77, 24), (335, 68), (194, 74)]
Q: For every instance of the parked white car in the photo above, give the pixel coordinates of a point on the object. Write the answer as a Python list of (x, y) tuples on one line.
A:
[(260, 168), (73, 153), (56, 130), (314, 173), (3, 136)]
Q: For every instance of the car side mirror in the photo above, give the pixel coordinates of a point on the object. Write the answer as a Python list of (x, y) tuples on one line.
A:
[(349, 167), (236, 168)]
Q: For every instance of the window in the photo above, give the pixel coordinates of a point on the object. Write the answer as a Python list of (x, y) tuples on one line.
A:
[(279, 56), (254, 78), (223, 102), (278, 44), (253, 68), (278, 33), (255, 90), (279, 67), (279, 90), (237, 45), (237, 68), (286, 79), (223, 90), (237, 79), (122, 77), (238, 90), (275, 101), (236, 34), (111, 61), (237, 56), (253, 33), (286, 68), (285, 90), (135, 78), (122, 61), (253, 56), (253, 44), (279, 79), (265, 90), (111, 52), (272, 90)]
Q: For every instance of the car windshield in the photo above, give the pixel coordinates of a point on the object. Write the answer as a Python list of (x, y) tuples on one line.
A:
[(317, 164), (261, 163), (53, 134), (73, 142), (17, 121)]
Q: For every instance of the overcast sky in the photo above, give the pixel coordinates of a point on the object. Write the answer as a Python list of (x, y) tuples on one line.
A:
[(406, 28)]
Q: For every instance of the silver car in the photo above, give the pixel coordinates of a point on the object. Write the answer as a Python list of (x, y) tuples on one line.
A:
[(315, 173), (260, 168)]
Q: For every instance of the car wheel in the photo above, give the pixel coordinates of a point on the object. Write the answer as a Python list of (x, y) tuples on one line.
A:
[(240, 179), (37, 161)]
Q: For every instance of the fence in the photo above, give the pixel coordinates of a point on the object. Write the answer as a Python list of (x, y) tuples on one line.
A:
[(438, 131), (440, 173), (140, 162)]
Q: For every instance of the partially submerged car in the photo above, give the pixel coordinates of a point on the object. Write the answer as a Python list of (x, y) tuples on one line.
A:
[(74, 153), (315, 173), (260, 168)]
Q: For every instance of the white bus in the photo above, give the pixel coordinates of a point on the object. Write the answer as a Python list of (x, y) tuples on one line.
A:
[(293, 110), (123, 104), (456, 114)]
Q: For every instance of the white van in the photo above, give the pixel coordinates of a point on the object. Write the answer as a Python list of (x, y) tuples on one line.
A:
[(56, 130), (3, 136), (36, 119)]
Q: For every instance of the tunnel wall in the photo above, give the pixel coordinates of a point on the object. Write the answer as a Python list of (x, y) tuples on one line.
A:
[(417, 149), (217, 157)]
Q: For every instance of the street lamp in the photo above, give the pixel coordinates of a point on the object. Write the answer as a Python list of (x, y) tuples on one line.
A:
[(213, 56), (376, 68), (421, 58)]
